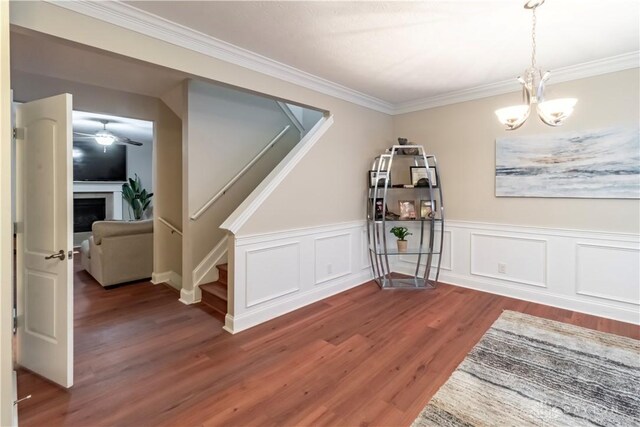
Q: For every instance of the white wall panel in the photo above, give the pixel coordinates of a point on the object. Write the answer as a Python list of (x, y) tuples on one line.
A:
[(332, 257), (610, 272), (524, 259), (279, 272), (272, 272)]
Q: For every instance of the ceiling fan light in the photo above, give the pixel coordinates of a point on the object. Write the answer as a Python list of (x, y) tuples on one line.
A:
[(104, 138), (556, 111), (513, 117)]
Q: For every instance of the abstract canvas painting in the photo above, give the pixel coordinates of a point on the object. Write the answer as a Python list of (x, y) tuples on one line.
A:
[(592, 164)]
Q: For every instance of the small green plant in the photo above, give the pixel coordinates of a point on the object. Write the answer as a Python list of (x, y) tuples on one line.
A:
[(136, 196), (400, 232)]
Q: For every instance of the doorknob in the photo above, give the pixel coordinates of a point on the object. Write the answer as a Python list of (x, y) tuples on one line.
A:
[(60, 255)]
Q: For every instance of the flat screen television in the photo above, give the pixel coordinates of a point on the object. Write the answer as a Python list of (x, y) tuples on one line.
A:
[(92, 162)]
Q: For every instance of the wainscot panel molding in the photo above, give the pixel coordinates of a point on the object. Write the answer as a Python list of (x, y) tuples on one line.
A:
[(276, 266), (330, 260), (279, 272), (592, 272), (525, 257), (586, 271), (605, 271), (548, 258)]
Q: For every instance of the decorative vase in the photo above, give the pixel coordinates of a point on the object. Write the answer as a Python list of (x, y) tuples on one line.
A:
[(402, 246)]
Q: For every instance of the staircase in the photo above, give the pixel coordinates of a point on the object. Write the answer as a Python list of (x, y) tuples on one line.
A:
[(214, 294)]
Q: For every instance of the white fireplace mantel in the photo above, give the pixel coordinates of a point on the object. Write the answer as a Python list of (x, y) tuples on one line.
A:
[(112, 189)]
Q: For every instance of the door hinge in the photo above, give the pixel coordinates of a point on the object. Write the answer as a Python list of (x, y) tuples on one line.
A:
[(18, 133)]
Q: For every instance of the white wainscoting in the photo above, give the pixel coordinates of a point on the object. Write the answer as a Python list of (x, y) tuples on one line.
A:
[(279, 272), (524, 259), (586, 271)]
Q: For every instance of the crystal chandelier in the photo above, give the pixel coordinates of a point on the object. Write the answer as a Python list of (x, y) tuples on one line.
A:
[(553, 112)]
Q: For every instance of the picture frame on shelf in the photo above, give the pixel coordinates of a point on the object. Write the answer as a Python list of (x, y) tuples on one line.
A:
[(433, 176), (380, 177), (378, 208), (417, 173), (421, 175), (426, 210), (407, 209)]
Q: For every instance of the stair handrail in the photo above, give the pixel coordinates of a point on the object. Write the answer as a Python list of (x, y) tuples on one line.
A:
[(233, 180), (171, 226), (287, 111)]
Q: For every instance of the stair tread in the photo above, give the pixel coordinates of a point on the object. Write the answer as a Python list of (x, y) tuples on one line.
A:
[(218, 289)]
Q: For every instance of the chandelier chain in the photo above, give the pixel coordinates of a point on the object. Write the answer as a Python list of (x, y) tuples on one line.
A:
[(533, 39)]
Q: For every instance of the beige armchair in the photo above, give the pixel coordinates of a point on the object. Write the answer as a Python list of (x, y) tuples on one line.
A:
[(119, 251)]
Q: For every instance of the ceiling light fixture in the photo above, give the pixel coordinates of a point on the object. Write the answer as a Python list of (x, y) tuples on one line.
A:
[(104, 137), (553, 112)]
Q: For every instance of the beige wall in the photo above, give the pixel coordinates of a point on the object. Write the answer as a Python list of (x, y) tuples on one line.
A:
[(329, 184), (225, 129), (168, 195), (462, 136), (320, 184), (89, 98)]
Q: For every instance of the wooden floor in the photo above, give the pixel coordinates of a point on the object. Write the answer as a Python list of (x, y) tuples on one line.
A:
[(363, 357)]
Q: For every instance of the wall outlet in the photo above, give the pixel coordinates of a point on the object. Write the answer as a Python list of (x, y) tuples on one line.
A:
[(502, 268), (329, 269)]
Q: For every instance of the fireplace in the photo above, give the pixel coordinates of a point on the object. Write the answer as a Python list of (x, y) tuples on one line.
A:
[(86, 211)]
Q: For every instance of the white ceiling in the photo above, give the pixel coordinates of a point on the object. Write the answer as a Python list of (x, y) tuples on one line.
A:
[(402, 51), (137, 130)]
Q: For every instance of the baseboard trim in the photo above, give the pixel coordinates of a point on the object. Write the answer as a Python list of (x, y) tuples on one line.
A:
[(540, 296), (171, 278), (207, 265), (190, 297), (235, 324)]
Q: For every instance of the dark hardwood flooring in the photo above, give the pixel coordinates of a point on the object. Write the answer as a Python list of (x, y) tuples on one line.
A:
[(363, 357)]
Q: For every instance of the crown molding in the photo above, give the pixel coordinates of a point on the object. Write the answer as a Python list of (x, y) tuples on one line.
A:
[(134, 19), (574, 72)]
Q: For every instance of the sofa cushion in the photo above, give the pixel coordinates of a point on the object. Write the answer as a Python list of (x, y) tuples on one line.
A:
[(103, 229)]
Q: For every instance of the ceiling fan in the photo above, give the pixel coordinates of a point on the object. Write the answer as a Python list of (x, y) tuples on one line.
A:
[(106, 137)]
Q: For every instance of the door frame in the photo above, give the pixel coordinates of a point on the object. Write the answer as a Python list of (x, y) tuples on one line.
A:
[(8, 415)]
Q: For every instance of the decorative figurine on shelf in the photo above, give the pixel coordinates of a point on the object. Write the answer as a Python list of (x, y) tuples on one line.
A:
[(407, 151), (422, 182), (392, 216), (401, 233)]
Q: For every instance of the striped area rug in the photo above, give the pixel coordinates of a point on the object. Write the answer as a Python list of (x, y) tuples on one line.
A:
[(528, 371)]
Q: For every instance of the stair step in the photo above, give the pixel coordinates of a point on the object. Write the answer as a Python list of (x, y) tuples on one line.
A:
[(222, 273), (215, 296)]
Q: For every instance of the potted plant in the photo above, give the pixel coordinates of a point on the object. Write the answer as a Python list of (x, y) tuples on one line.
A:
[(136, 196), (401, 233)]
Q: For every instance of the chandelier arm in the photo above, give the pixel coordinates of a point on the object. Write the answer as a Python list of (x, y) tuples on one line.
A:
[(533, 38)]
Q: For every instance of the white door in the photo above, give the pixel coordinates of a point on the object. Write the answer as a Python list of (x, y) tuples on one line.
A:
[(44, 183)]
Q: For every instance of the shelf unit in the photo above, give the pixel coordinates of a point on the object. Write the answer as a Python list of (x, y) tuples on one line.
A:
[(428, 233)]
